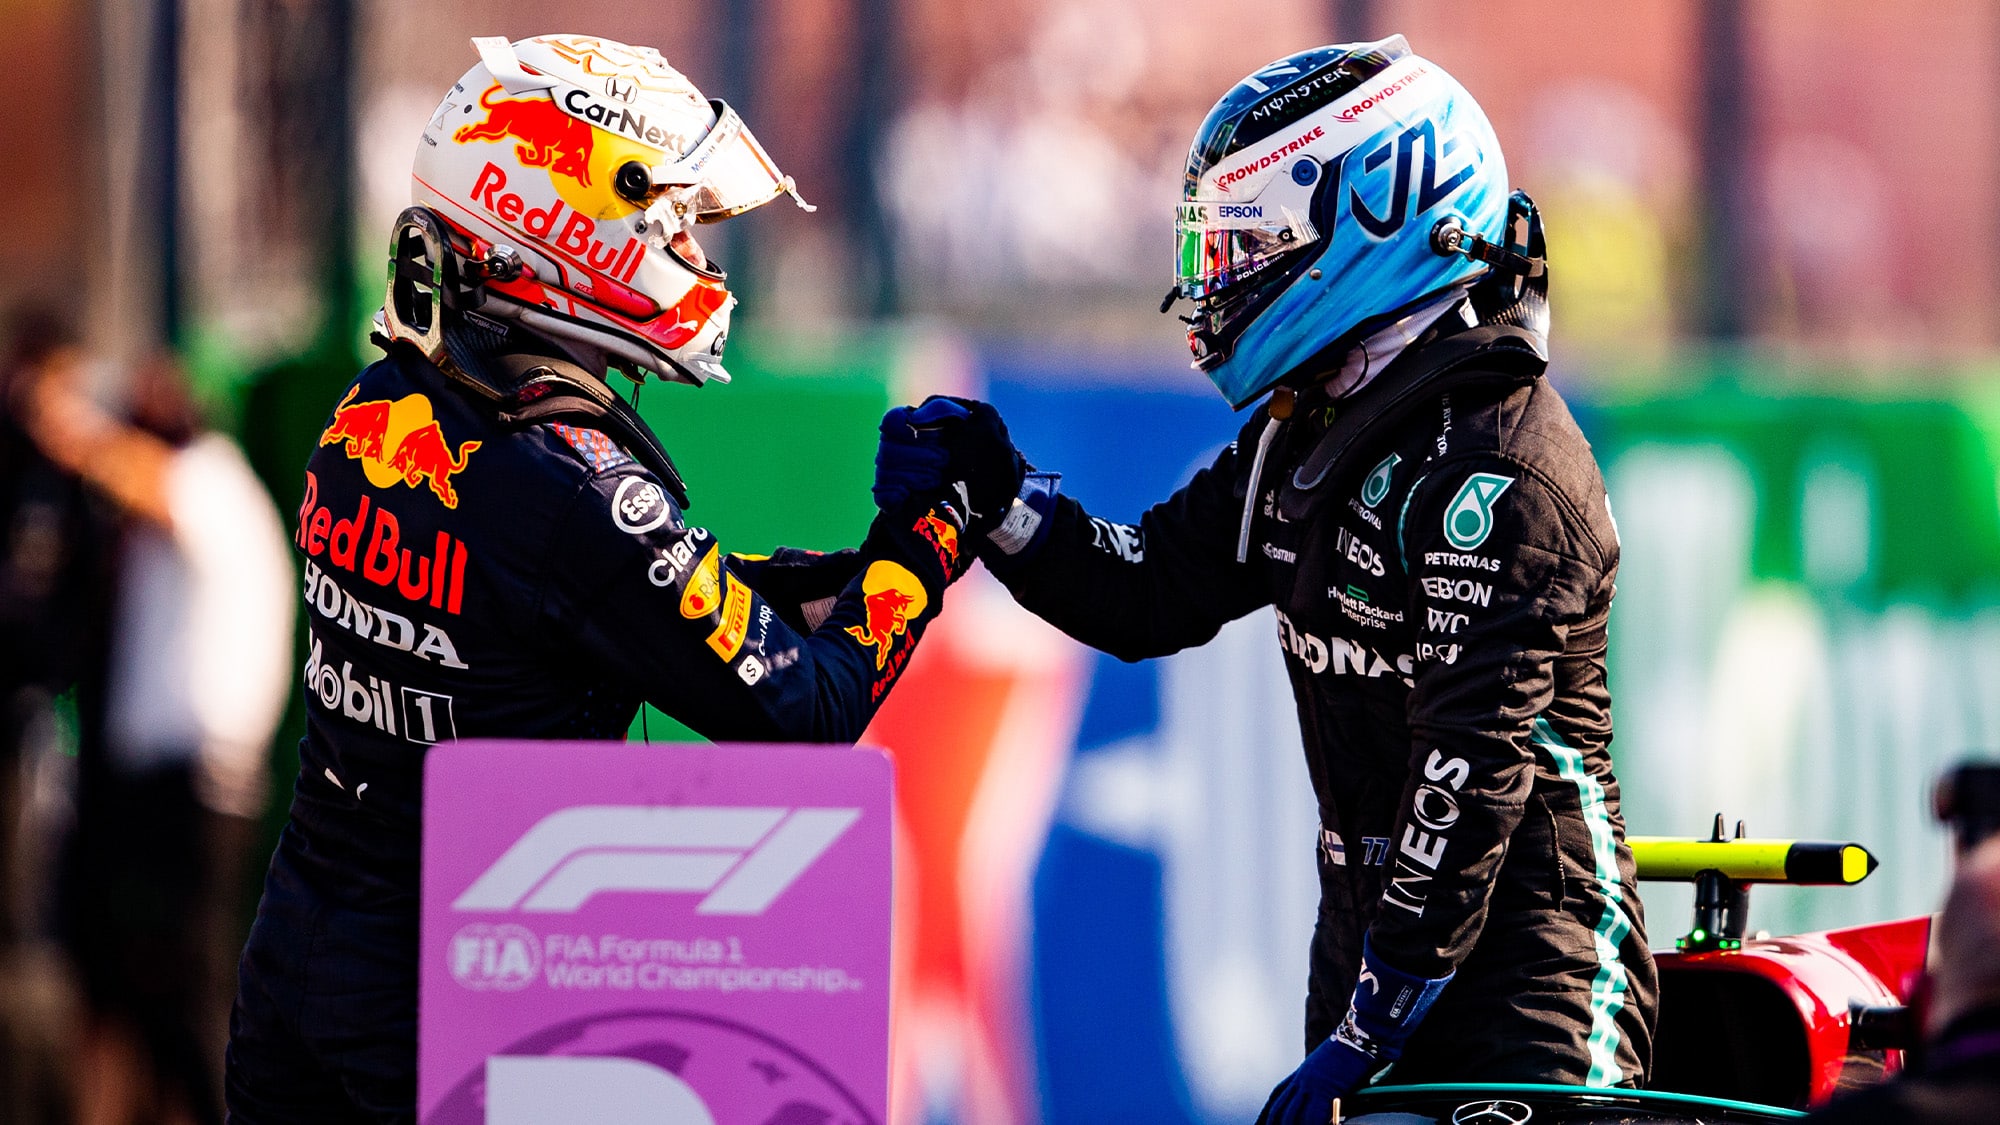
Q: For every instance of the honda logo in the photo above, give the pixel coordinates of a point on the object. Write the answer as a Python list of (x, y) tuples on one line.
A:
[(740, 859)]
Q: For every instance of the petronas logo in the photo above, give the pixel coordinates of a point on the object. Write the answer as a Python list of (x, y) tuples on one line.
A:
[(1469, 519), (1377, 485)]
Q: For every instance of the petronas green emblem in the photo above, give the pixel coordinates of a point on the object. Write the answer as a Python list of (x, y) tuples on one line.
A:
[(1377, 485), (1468, 520)]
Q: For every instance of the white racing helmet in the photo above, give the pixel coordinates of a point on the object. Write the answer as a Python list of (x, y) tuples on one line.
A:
[(567, 174)]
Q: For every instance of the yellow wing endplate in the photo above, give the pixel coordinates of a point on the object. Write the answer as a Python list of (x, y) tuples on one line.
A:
[(1811, 863)]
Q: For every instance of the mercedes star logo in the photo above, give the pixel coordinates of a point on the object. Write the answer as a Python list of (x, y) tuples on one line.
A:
[(1491, 1113)]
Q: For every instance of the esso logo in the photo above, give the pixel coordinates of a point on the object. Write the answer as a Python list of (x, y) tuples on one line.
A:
[(639, 506)]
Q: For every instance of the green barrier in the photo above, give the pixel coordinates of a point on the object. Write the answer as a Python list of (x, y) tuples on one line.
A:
[(1932, 537), (1807, 627)]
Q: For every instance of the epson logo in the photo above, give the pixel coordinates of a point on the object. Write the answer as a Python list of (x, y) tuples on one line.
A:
[(740, 859)]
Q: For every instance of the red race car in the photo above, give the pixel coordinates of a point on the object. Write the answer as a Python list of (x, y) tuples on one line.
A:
[(1751, 1028)]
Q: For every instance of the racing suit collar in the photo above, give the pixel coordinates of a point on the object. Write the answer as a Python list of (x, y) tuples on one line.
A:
[(1378, 351), (475, 345), (1490, 355)]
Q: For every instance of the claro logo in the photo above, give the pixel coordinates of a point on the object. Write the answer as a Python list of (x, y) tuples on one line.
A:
[(740, 859)]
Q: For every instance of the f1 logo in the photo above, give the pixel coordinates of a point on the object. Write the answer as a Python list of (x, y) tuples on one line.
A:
[(741, 859)]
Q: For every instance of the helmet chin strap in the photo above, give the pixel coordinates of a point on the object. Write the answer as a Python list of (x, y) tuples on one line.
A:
[(592, 359)]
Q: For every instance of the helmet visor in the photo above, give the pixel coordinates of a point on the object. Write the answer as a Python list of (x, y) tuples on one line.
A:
[(725, 174), (1225, 244)]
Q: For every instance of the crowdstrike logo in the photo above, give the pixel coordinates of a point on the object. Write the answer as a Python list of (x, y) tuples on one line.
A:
[(1259, 163), (1388, 90), (740, 859)]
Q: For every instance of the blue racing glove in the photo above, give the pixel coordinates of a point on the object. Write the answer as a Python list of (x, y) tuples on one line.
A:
[(956, 446), (913, 457), (1386, 1009)]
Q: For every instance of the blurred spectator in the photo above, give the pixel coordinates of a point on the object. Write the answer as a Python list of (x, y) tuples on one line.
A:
[(1957, 1076), (195, 675), (56, 558)]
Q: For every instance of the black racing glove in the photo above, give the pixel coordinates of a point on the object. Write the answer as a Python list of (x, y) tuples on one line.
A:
[(951, 446)]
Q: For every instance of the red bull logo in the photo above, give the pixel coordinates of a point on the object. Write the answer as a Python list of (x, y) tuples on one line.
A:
[(418, 453), (549, 138), (361, 425), (892, 596), (423, 571), (942, 537), (571, 231)]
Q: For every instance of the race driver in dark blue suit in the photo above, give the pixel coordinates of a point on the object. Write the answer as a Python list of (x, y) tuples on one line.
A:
[(493, 545), (1414, 500)]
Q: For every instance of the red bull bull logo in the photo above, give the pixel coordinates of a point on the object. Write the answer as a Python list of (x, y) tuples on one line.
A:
[(892, 596), (549, 138), (361, 425), (942, 537), (417, 451)]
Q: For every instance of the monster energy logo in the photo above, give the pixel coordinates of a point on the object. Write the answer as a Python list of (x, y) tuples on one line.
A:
[(1468, 520), (1377, 485)]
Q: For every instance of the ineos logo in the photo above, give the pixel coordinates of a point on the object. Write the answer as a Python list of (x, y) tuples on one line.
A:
[(1434, 808), (741, 859)]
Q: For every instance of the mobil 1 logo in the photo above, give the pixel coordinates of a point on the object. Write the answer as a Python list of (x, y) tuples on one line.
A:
[(422, 717)]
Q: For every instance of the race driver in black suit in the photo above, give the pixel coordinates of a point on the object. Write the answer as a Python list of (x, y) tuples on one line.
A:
[(1415, 501), (494, 546)]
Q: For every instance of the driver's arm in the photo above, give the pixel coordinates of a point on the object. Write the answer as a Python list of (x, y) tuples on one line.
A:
[(666, 612)]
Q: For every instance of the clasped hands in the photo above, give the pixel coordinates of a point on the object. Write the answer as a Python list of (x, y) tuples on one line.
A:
[(952, 454)]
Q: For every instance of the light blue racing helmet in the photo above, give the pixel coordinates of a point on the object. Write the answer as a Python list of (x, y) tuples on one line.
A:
[(1328, 194)]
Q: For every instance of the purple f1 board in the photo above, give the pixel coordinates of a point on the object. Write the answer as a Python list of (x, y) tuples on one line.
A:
[(623, 934)]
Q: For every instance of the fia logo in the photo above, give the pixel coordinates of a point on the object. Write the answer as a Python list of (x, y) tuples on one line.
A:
[(505, 957), (1408, 174)]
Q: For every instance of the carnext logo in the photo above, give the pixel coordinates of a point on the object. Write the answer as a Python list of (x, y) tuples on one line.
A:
[(742, 859)]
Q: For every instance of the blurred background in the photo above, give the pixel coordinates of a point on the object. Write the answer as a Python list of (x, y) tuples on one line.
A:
[(1774, 228)]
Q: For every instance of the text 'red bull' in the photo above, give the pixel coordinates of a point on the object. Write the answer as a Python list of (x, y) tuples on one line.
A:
[(375, 552), (549, 138), (563, 228), (942, 537)]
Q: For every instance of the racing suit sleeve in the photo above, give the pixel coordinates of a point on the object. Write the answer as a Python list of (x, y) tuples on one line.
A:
[(665, 613), (801, 585), (1502, 568), (1168, 583)]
